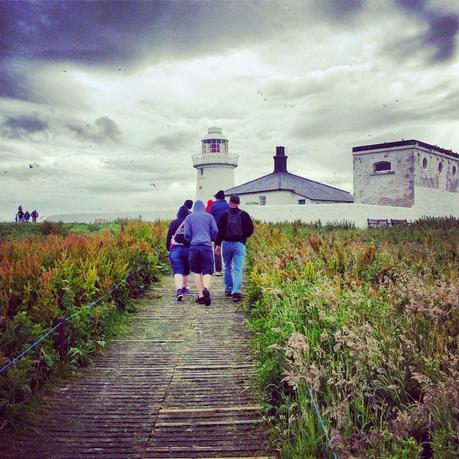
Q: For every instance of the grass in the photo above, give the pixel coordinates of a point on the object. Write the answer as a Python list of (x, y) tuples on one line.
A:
[(369, 319)]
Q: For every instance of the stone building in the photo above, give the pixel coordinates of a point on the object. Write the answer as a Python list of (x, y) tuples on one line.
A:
[(283, 187), (401, 173)]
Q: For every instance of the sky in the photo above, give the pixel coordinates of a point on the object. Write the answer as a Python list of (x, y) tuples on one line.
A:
[(103, 103)]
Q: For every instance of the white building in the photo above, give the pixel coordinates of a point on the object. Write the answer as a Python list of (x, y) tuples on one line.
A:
[(282, 187), (214, 165), (408, 180), (401, 174)]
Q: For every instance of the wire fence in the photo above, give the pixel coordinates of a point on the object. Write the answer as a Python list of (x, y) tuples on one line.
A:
[(66, 319)]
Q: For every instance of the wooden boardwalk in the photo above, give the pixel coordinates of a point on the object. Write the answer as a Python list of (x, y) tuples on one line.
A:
[(177, 385)]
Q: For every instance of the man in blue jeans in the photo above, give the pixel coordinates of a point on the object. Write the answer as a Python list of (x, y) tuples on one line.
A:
[(234, 227)]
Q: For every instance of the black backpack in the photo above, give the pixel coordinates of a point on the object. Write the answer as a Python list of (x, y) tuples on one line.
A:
[(234, 226)]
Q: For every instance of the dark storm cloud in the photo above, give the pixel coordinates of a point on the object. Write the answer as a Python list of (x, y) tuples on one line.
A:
[(103, 130), (22, 126), (339, 10), (120, 32), (174, 141), (441, 32), (12, 83)]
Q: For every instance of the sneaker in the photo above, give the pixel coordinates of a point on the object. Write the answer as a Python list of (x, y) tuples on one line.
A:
[(237, 297), (199, 300), (228, 293), (179, 295), (218, 273), (206, 296), (186, 291)]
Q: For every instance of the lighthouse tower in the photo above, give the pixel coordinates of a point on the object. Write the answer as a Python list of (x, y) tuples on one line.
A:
[(214, 165)]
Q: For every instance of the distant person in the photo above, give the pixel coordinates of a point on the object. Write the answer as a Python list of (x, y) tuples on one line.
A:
[(20, 214), (34, 216), (233, 230), (209, 205), (219, 207), (178, 249), (27, 216), (200, 231)]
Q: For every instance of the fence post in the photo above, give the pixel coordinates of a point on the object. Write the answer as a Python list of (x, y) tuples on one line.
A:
[(61, 342)]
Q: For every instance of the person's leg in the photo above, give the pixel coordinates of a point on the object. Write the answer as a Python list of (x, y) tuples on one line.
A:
[(238, 266), (206, 281), (199, 285), (227, 250), (178, 280), (186, 269), (207, 269), (177, 269), (195, 267), (218, 263)]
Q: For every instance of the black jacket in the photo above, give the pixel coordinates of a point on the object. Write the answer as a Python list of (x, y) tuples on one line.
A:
[(246, 223)]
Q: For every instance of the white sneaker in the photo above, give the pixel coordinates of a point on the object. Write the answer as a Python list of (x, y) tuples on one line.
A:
[(218, 273)]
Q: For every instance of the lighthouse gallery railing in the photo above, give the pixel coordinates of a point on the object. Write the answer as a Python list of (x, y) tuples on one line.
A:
[(203, 159)]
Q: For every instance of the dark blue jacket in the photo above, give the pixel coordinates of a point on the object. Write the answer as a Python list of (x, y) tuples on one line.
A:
[(218, 208)]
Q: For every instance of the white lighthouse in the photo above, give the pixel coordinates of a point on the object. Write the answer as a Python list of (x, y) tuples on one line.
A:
[(214, 165)]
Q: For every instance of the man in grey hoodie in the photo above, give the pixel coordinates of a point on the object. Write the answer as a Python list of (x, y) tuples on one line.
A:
[(200, 230)]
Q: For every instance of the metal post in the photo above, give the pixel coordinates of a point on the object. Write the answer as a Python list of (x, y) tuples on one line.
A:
[(61, 342)]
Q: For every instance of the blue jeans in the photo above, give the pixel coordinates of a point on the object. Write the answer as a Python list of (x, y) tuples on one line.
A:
[(178, 258), (233, 256)]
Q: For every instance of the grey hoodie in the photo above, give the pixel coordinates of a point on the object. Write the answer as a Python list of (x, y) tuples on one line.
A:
[(200, 227)]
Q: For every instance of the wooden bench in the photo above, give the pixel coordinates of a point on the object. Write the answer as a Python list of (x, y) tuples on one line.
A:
[(398, 222), (377, 223)]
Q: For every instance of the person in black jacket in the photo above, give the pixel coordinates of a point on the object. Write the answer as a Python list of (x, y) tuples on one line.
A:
[(178, 249), (234, 227)]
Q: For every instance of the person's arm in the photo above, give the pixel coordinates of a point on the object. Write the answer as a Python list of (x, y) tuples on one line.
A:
[(247, 225), (221, 229), (169, 237), (213, 229), (187, 229)]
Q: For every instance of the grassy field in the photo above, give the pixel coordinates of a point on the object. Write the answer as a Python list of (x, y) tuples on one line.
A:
[(364, 323), (86, 272), (19, 230)]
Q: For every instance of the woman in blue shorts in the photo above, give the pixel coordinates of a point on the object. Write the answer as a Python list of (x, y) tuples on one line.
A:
[(179, 249)]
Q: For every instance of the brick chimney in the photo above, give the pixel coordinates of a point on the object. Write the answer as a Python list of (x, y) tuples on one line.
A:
[(280, 160)]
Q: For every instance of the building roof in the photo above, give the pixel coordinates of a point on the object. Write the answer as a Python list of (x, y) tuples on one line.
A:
[(403, 143), (285, 181), (214, 133)]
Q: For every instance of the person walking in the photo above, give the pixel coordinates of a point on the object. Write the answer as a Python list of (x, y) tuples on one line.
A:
[(219, 207), (233, 230), (209, 205), (27, 216), (178, 249), (34, 216), (200, 230), (20, 214)]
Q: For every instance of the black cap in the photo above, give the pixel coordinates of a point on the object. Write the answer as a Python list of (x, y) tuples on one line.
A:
[(220, 194), (188, 203), (234, 198)]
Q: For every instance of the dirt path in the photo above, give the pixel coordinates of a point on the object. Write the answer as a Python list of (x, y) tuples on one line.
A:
[(176, 385)]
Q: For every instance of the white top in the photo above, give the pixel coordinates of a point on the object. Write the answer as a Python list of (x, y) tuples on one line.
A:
[(214, 133)]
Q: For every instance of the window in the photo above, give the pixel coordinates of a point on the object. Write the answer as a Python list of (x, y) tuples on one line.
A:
[(424, 163), (440, 167), (201, 171), (454, 170), (301, 201), (262, 200), (382, 166)]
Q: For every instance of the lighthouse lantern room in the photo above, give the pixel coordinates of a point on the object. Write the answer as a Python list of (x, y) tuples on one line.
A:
[(214, 165)]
